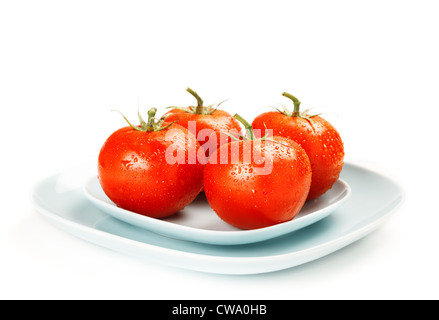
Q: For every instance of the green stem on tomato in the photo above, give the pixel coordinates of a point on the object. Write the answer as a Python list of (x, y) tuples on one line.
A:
[(248, 126), (151, 124), (199, 108), (295, 101), (250, 133)]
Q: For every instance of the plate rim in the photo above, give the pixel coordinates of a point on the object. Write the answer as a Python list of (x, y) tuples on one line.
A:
[(220, 237), (222, 264), (233, 265)]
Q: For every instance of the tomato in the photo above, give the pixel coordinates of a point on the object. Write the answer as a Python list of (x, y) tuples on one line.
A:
[(255, 183), (316, 135), (203, 121), (139, 171)]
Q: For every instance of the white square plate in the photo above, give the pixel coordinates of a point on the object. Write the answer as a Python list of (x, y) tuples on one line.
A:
[(199, 223), (60, 198)]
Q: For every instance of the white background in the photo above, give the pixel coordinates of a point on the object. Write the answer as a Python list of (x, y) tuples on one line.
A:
[(371, 65)]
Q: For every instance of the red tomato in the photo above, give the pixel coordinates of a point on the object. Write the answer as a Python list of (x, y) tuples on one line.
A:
[(257, 183), (203, 121), (317, 136), (136, 172)]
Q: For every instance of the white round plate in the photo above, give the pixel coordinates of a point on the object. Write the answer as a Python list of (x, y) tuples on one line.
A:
[(199, 223), (60, 198)]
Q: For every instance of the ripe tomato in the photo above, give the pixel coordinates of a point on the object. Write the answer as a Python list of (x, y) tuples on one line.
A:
[(136, 172), (255, 183), (203, 121), (317, 136)]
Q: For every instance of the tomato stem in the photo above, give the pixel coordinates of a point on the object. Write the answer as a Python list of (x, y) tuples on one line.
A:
[(296, 112), (151, 124), (295, 101), (248, 126), (250, 133), (199, 108)]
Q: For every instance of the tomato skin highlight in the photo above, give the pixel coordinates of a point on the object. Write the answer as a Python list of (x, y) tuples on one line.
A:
[(218, 121), (248, 200), (320, 140), (135, 174)]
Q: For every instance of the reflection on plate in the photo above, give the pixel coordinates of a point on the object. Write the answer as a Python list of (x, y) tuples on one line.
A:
[(199, 223), (60, 198)]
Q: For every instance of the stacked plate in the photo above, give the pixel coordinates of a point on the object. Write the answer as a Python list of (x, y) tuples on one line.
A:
[(197, 239)]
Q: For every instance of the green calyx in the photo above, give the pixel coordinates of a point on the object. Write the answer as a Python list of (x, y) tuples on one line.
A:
[(296, 112), (199, 108), (248, 128), (250, 134), (152, 124)]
